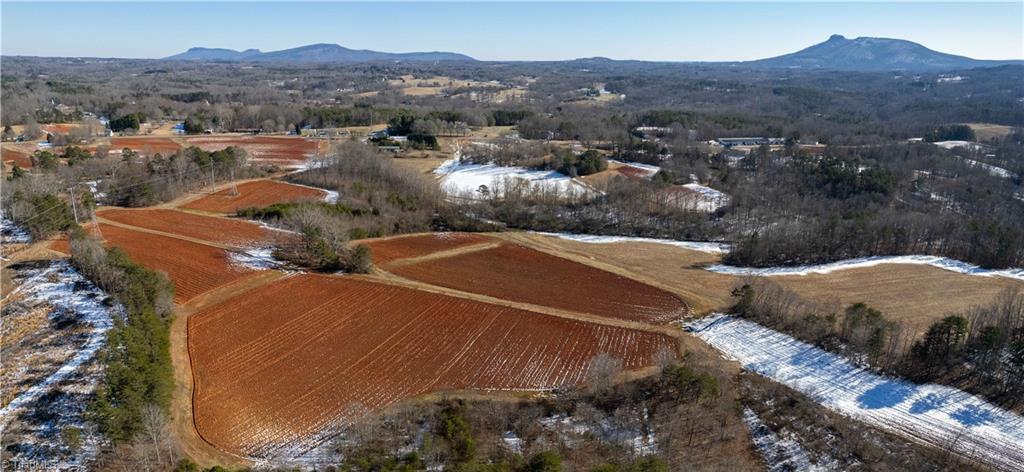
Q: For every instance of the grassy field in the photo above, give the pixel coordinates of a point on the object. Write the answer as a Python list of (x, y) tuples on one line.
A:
[(912, 294), (987, 131)]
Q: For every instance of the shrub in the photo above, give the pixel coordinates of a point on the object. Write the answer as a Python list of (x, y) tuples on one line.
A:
[(698, 384), (455, 430)]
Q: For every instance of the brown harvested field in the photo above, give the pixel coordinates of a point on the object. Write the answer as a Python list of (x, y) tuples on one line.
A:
[(258, 193), (206, 228), (423, 162), (987, 131), (277, 366), (917, 295), (404, 247), (145, 145), (282, 149), (193, 268), (20, 157), (520, 274)]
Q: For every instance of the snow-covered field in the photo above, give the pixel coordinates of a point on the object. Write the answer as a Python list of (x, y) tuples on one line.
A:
[(694, 197), (34, 420), (941, 416), (711, 199), (934, 261), (957, 144), (994, 170), (714, 248), (465, 180)]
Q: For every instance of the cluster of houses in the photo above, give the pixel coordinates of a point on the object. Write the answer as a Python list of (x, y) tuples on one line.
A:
[(749, 141)]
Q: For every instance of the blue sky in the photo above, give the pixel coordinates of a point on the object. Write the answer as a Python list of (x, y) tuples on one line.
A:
[(508, 31)]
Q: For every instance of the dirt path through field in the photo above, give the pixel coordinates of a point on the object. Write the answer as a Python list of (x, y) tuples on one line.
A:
[(182, 419), (384, 277), (443, 254), (140, 229)]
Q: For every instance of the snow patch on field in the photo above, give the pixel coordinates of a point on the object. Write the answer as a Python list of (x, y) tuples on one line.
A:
[(263, 224), (331, 197), (780, 455), (701, 246), (941, 416), (11, 233), (870, 261), (464, 180), (255, 258)]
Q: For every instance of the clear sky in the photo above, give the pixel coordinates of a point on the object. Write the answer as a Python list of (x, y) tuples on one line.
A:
[(721, 31)]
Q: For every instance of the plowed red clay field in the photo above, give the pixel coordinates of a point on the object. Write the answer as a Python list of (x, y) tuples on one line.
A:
[(193, 268), (17, 157), (206, 228), (277, 367), (145, 145), (517, 273), (278, 149), (259, 193), (405, 247)]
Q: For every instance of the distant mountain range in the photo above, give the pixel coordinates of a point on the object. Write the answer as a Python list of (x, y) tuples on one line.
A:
[(313, 53), (872, 54), (837, 53)]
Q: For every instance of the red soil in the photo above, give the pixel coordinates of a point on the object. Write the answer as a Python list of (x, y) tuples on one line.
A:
[(633, 172), (21, 158), (281, 149), (387, 250), (258, 193), (206, 228), (145, 145), (517, 273), (193, 268), (58, 128), (278, 367), (61, 244)]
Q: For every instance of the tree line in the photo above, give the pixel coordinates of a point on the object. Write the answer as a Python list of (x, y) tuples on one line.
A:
[(980, 350)]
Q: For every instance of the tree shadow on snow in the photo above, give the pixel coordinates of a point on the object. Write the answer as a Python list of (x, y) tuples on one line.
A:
[(885, 395), (972, 415), (927, 403)]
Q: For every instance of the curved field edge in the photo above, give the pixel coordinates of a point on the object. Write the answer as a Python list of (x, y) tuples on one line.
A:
[(364, 330)]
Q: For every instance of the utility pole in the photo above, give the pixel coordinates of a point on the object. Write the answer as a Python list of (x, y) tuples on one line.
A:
[(234, 188), (74, 207)]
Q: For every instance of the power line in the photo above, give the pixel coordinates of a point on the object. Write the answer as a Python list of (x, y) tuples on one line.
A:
[(158, 179)]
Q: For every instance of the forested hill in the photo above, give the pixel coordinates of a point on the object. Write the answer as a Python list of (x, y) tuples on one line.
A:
[(313, 53), (873, 54)]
